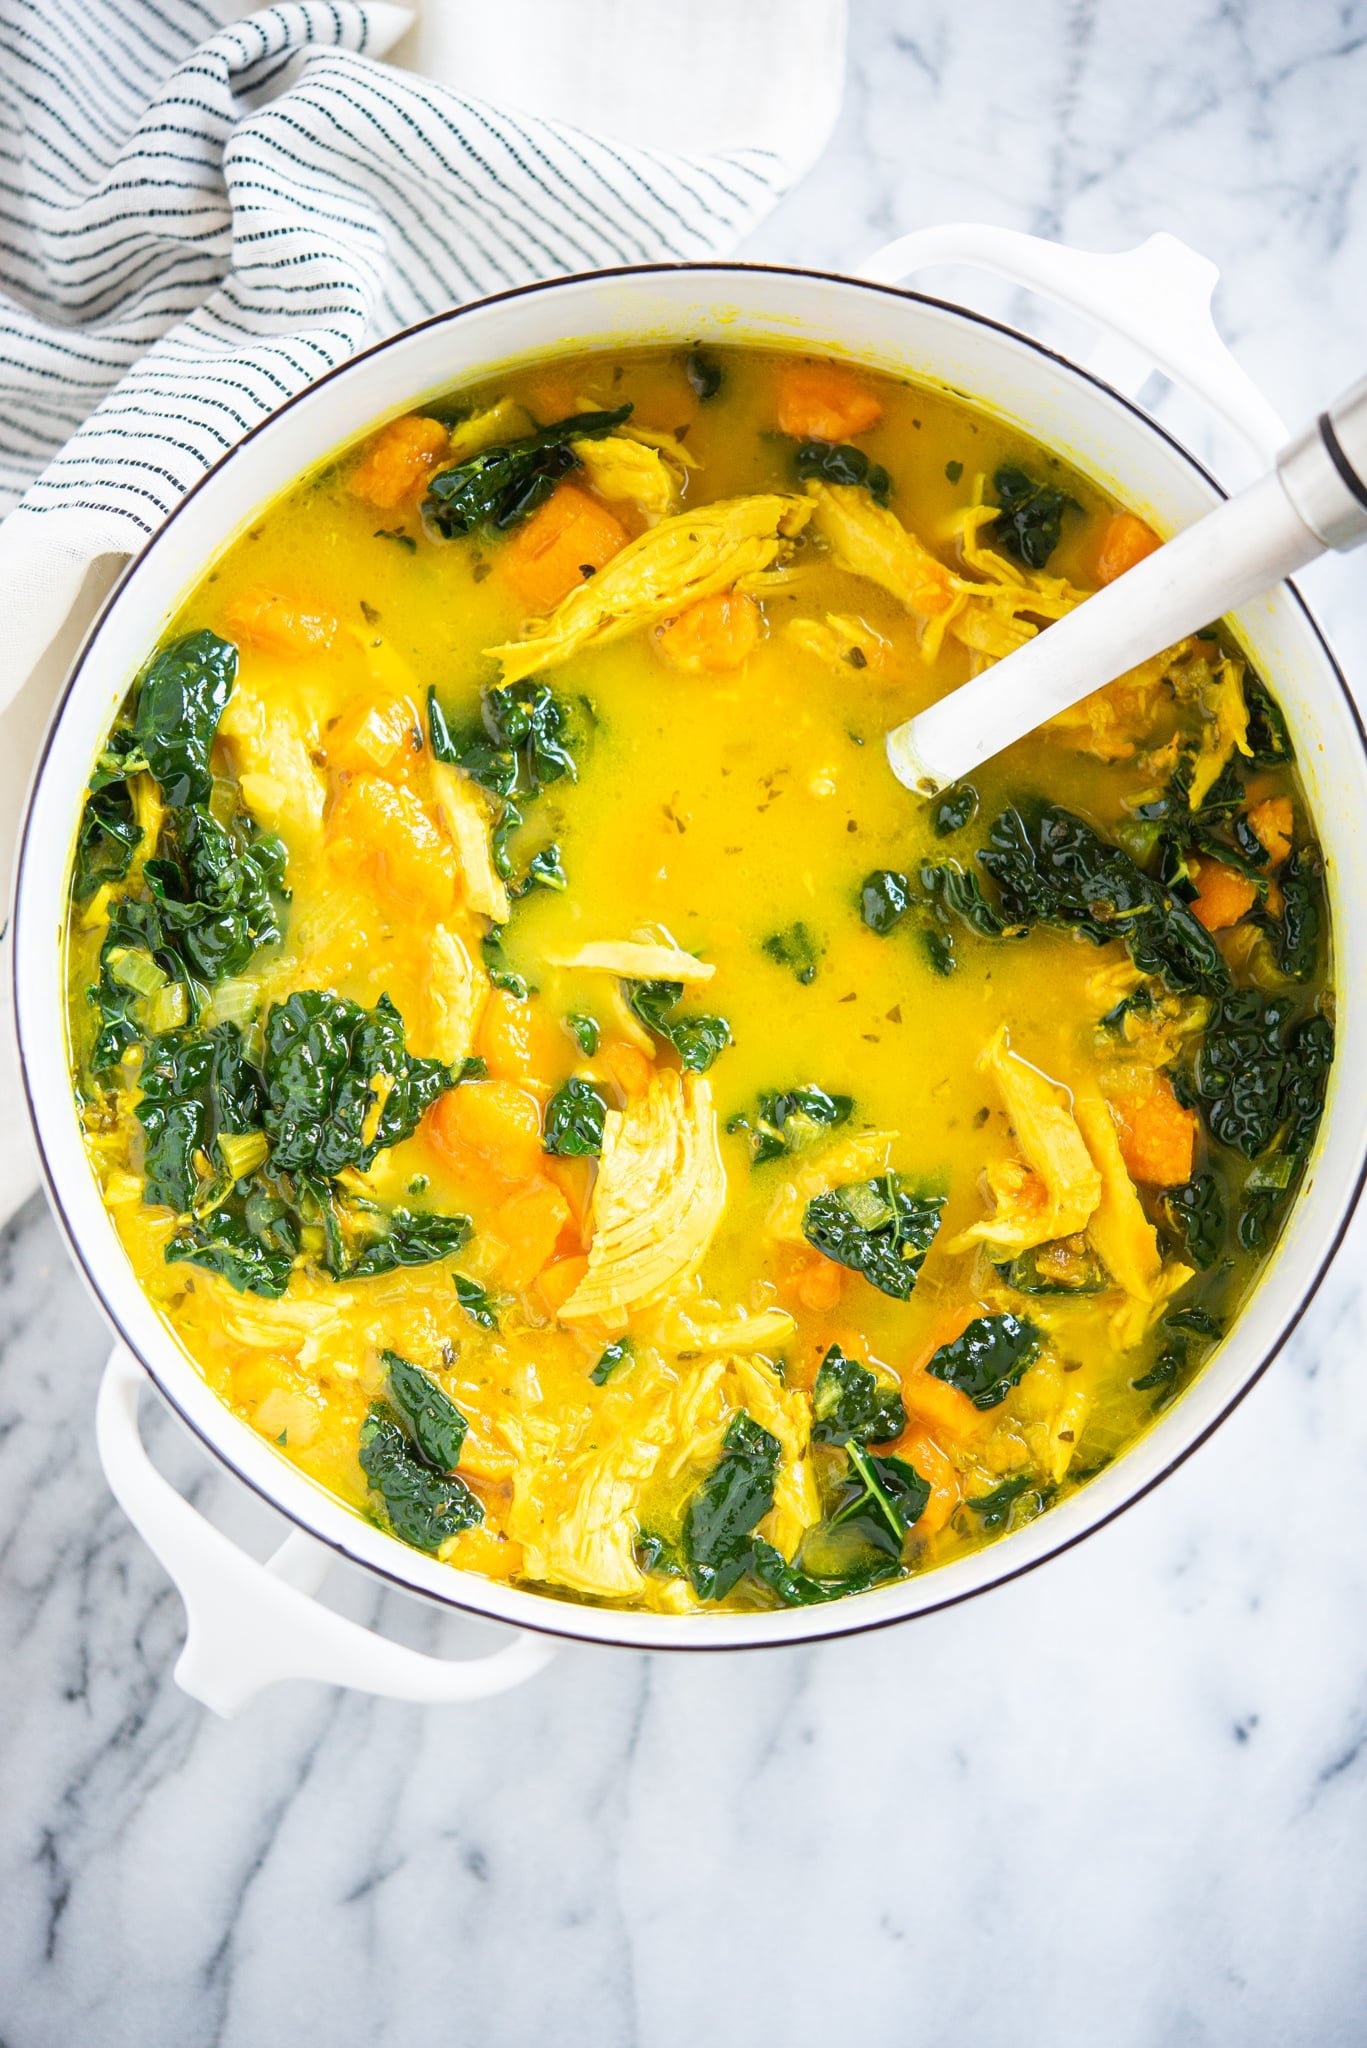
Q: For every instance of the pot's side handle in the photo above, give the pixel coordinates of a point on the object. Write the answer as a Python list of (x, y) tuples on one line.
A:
[(249, 1625), (1153, 304)]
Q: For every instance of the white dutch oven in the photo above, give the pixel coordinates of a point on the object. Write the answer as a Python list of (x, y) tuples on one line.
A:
[(249, 1623)]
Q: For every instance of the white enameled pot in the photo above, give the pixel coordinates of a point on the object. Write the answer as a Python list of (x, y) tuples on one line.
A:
[(249, 1623)]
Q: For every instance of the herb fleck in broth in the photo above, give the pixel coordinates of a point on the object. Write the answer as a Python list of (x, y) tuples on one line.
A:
[(574, 1102)]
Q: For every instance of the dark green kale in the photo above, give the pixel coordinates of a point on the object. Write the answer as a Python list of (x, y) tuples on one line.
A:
[(789, 1121), (722, 1512), (839, 463), (1063, 1266), (194, 1091), (1051, 868), (523, 742), (180, 699), (1239, 1074), (585, 1031), (407, 1237), (1197, 1214), (796, 948), (477, 1301), (340, 1082), (884, 1497), (109, 832), (574, 1121), (218, 891), (850, 1404), (696, 1039), (140, 973), (1016, 1500), (426, 1411), (424, 1506), (1030, 521), (1267, 735), (655, 1553), (1199, 1321), (880, 1228), (954, 809), (500, 486), (1295, 935), (1162, 1376), (950, 888), (612, 1358), (225, 1243), (705, 376), (884, 900), (499, 968), (988, 1359)]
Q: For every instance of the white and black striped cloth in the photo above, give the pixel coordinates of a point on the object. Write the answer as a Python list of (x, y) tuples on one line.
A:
[(196, 219)]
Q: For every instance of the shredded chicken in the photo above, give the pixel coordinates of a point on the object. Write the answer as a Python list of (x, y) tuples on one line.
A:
[(635, 960), (1119, 1231), (1054, 1191), (657, 1201), (693, 555), (463, 812)]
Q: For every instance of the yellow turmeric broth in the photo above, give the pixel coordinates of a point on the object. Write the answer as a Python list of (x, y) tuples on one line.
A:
[(561, 1090)]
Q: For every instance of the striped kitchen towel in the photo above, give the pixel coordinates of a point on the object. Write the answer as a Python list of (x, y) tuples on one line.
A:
[(199, 214)]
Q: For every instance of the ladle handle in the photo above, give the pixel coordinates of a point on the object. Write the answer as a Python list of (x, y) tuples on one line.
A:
[(1324, 472)]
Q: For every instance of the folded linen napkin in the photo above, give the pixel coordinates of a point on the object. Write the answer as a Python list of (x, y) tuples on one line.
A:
[(202, 214)]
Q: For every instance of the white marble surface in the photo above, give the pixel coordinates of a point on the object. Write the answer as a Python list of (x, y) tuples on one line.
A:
[(1122, 1801)]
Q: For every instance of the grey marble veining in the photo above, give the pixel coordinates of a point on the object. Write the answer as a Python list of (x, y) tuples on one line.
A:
[(1122, 1800)]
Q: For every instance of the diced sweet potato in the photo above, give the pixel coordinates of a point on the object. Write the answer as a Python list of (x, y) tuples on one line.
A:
[(629, 1067), (374, 734), (498, 1123), (1223, 895), (1125, 541), (530, 1224), (719, 632), (921, 1451), (561, 545), (825, 402), (276, 624), (1273, 821), (1157, 1136), (388, 830), (518, 1042), (817, 1285), (398, 461), (557, 1282)]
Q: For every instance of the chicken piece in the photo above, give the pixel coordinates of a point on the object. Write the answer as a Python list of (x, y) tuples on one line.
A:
[(1118, 1230), (271, 750), (842, 639), (1054, 1192), (657, 1201), (786, 1414), (589, 1543), (626, 472), (456, 993), (636, 960), (465, 816), (658, 574), (506, 421), (768, 1330), (861, 1156), (1220, 694)]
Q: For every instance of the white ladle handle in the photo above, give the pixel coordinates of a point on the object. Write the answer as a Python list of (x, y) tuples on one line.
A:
[(1315, 499)]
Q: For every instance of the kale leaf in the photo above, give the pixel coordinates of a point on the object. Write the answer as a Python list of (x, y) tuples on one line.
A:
[(1030, 521), (611, 1359), (1267, 734), (721, 1513), (225, 1243), (696, 1039), (193, 1090), (884, 1497), (426, 1411), (1000, 1507), (340, 1082), (574, 1121), (1197, 1213), (988, 1359), (789, 1120), (797, 948), (1051, 868), (955, 808), (953, 889), (884, 899), (407, 1237), (216, 890), (585, 1031), (850, 1404), (477, 1301), (424, 1506), (1061, 1266), (523, 741), (1296, 934), (880, 1228), (839, 463), (500, 486), (181, 696), (1238, 1076), (705, 376), (109, 831)]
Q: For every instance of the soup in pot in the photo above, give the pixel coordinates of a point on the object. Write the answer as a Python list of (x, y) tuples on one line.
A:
[(561, 1090)]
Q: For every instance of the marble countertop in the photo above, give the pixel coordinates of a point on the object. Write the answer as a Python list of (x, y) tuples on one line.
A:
[(1123, 1800)]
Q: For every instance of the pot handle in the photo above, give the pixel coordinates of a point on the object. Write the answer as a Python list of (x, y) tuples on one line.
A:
[(1153, 302), (250, 1625)]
